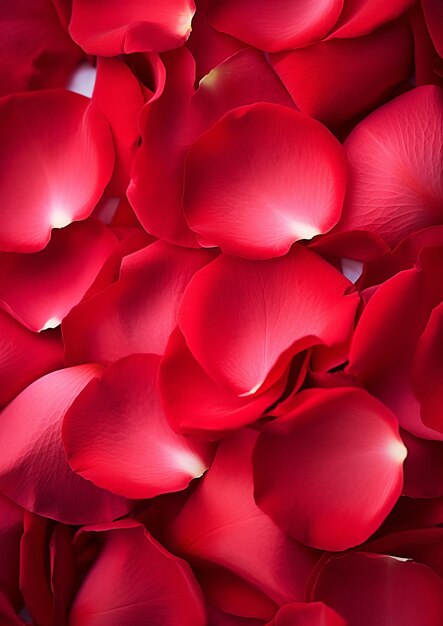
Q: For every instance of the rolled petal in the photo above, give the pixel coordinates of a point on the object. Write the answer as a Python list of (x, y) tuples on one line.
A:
[(52, 140), (285, 167), (307, 614), (243, 318), (221, 524), (277, 25), (40, 289), (135, 576), (396, 149), (116, 435), (195, 404), (329, 472), (141, 307), (106, 28), (25, 356), (33, 467), (374, 590), (338, 79)]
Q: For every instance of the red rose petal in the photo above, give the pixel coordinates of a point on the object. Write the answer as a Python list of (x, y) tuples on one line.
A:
[(11, 530), (141, 307), (116, 435), (360, 17), (221, 524), (135, 576), (423, 468), (108, 28), (396, 182), (239, 316), (288, 167), (49, 140), (307, 614), (277, 25), (373, 590), (433, 12), (33, 467), (330, 471), (40, 289)]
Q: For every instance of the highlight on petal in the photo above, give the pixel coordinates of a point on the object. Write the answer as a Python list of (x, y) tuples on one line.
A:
[(307, 614), (378, 590), (221, 524), (40, 289), (243, 320), (395, 176), (108, 28), (141, 307), (49, 141), (33, 467), (338, 79), (116, 435), (261, 178), (25, 356), (135, 576), (213, 410), (277, 25), (330, 471)]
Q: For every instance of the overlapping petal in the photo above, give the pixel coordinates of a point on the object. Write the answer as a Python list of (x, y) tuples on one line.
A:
[(307, 614), (33, 468), (244, 319), (116, 435), (261, 178), (360, 17), (330, 471), (49, 141)]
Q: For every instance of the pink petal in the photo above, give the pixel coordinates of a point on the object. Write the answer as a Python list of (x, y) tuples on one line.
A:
[(373, 590), (360, 17), (214, 410), (25, 356), (285, 165), (40, 289), (338, 79), (221, 524), (50, 140), (243, 318), (307, 614), (330, 482), (135, 576), (396, 149), (33, 467), (108, 28), (116, 435), (277, 25), (141, 307)]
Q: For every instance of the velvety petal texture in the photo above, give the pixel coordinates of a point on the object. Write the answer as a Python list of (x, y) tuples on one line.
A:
[(243, 319), (330, 471), (33, 468), (140, 456), (261, 178), (108, 28), (49, 141), (135, 576)]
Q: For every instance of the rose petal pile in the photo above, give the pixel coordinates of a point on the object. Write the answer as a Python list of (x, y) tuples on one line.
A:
[(221, 313)]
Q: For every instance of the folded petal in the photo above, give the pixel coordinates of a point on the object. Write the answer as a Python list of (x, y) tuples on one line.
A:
[(338, 79), (277, 25), (221, 524), (40, 289), (135, 576), (49, 141), (33, 467), (395, 179), (330, 471), (242, 318), (307, 614), (195, 404), (360, 17), (287, 167), (141, 307), (116, 435), (25, 356), (106, 28), (374, 590)]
